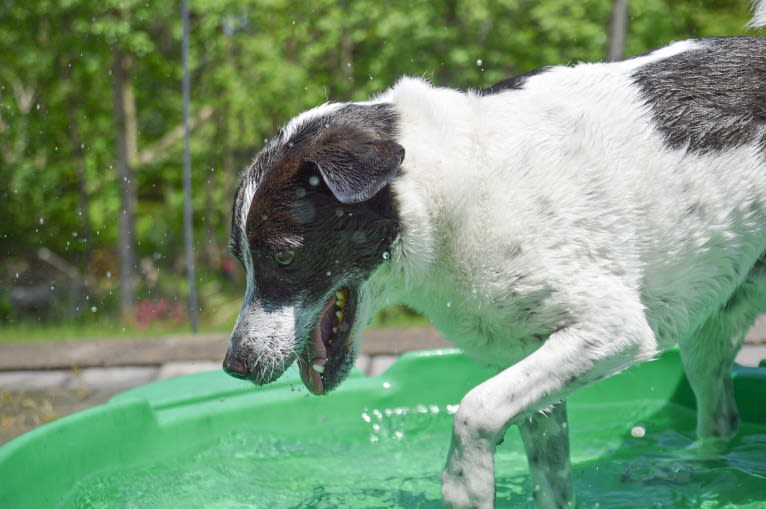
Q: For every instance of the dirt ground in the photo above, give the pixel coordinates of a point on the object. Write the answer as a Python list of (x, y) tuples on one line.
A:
[(21, 411)]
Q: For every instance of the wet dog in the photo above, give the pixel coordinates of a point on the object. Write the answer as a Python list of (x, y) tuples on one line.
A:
[(559, 226)]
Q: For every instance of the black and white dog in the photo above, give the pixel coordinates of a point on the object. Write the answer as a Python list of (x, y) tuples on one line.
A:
[(559, 226)]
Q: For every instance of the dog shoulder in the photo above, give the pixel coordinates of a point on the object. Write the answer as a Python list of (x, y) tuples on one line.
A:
[(708, 97)]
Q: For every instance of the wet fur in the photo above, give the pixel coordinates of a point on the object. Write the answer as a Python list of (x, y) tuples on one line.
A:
[(559, 226)]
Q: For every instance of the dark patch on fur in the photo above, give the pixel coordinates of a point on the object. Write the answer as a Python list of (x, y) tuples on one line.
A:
[(512, 83), (235, 241), (712, 98), (294, 208), (324, 237)]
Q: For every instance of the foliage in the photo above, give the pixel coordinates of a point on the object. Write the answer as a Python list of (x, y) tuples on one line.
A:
[(254, 64)]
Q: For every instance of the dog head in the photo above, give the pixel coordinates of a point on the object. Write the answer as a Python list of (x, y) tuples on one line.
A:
[(313, 218)]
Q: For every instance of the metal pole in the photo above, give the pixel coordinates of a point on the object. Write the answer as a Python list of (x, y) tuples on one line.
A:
[(188, 240), (618, 28)]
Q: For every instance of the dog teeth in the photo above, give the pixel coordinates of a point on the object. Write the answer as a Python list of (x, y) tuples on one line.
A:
[(339, 315), (341, 297), (319, 368)]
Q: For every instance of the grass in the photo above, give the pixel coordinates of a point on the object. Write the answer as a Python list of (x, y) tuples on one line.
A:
[(105, 328), (68, 331)]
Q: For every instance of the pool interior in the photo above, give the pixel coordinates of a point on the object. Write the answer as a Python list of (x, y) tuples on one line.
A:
[(205, 441)]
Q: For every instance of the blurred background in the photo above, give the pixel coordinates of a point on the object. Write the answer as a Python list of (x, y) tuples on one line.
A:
[(91, 130)]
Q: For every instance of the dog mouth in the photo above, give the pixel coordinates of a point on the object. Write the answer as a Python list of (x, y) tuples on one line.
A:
[(325, 359)]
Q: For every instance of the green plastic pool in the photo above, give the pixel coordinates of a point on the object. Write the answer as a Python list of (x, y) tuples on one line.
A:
[(209, 441)]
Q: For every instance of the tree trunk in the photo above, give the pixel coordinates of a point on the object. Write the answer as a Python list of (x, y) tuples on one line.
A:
[(618, 28), (125, 120), (75, 138)]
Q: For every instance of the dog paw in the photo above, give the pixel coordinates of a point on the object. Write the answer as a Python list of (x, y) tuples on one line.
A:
[(468, 484), (461, 493)]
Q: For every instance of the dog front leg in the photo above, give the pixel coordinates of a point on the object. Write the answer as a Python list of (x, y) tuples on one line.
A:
[(546, 440), (569, 359)]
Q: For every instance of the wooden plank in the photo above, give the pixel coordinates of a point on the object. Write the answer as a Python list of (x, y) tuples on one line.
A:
[(210, 347)]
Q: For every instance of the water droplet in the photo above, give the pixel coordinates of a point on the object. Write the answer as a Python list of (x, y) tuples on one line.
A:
[(449, 304), (329, 273), (386, 255), (479, 62), (109, 274), (42, 220), (93, 309), (637, 431)]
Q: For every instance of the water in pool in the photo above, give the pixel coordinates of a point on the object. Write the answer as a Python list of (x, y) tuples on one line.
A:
[(620, 461)]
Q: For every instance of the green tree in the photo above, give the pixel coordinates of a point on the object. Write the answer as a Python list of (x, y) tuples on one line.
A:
[(70, 66)]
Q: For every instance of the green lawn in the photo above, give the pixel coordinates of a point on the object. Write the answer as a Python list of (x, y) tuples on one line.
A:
[(396, 316)]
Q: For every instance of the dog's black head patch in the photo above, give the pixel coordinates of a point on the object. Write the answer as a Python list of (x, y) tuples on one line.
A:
[(313, 219)]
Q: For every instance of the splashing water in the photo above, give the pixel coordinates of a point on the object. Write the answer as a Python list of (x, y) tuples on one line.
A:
[(391, 458)]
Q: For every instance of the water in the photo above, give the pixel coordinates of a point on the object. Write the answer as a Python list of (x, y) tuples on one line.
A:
[(395, 463)]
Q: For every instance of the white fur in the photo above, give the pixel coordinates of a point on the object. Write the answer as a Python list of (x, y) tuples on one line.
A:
[(759, 14), (268, 334), (550, 139), (307, 116), (562, 199)]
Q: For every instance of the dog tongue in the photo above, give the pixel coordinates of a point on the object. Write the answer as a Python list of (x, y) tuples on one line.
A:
[(315, 353)]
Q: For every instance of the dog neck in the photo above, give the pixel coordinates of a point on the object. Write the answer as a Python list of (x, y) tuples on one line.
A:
[(435, 131)]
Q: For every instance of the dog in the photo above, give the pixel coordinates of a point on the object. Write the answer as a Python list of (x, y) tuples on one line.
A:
[(559, 226)]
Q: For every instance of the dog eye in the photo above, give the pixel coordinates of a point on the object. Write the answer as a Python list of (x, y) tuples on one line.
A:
[(285, 257)]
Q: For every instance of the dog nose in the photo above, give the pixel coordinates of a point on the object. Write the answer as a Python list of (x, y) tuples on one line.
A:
[(234, 366)]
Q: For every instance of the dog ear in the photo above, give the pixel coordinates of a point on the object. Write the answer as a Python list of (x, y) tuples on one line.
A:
[(356, 169)]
